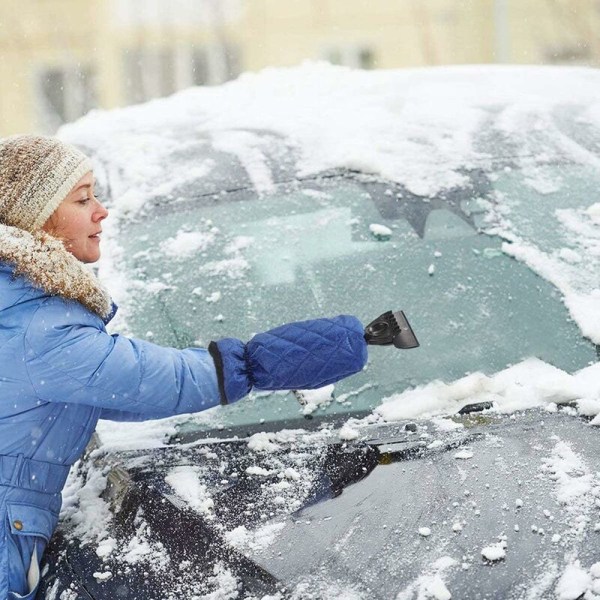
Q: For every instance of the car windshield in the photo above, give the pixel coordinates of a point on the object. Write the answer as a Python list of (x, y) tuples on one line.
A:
[(236, 263)]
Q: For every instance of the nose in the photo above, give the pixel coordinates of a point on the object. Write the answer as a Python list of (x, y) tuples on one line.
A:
[(100, 213)]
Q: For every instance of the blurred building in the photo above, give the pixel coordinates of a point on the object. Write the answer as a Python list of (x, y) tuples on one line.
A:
[(60, 58)]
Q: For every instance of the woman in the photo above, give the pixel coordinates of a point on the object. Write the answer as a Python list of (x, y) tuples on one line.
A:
[(60, 371)]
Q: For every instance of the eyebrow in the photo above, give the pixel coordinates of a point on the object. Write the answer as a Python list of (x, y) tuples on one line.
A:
[(84, 185)]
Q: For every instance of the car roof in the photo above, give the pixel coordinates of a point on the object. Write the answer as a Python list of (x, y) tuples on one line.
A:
[(419, 127)]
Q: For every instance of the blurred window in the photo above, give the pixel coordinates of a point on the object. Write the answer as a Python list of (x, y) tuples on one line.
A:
[(215, 63), (179, 13), (200, 68), (233, 57), (366, 58), (568, 54), (149, 73), (155, 72), (64, 94), (355, 56)]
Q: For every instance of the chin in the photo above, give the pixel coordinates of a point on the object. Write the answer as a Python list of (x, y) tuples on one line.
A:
[(87, 257)]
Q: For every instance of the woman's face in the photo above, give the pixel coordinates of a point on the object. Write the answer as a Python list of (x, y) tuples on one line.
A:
[(77, 221)]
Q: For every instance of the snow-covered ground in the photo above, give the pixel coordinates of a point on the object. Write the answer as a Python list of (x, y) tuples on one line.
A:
[(417, 128)]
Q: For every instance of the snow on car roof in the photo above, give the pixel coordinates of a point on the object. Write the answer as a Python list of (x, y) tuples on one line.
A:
[(413, 126)]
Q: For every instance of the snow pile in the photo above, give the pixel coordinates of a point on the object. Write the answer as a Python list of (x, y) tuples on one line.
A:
[(573, 268), (116, 436), (348, 433), (431, 584), (244, 539), (464, 455), (576, 486), (223, 585), (444, 424), (324, 588), (313, 400), (531, 383), (143, 548), (85, 509), (411, 126), (89, 518), (380, 231), (573, 478), (263, 442), (187, 243), (495, 552), (575, 582), (254, 470), (247, 147), (187, 483)]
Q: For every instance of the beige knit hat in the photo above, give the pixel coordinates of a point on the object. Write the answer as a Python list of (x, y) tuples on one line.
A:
[(36, 175)]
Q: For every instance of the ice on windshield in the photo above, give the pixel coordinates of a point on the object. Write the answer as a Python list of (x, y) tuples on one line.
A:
[(426, 132), (421, 129)]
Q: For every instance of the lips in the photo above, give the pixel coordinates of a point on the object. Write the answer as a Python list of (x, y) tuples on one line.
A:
[(95, 236)]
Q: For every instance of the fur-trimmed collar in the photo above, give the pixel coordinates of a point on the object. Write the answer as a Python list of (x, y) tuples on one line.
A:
[(43, 260)]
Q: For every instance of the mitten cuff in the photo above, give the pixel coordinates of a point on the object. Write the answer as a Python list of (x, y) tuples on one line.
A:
[(229, 356)]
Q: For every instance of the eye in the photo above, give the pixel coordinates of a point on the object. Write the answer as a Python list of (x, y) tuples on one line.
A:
[(83, 200)]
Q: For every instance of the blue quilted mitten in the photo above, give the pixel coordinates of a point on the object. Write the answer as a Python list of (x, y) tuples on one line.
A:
[(298, 356)]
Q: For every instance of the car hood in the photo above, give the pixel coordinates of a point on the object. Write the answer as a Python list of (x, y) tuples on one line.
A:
[(486, 506), (494, 511)]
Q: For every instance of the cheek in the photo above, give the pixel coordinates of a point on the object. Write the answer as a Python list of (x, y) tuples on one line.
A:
[(59, 222), (71, 222), (74, 229)]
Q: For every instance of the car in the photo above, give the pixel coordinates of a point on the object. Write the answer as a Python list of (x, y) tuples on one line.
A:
[(468, 467)]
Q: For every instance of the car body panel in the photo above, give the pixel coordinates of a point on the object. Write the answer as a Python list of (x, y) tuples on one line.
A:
[(238, 208), (360, 508)]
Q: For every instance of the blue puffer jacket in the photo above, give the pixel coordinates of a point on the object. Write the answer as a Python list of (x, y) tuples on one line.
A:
[(60, 371)]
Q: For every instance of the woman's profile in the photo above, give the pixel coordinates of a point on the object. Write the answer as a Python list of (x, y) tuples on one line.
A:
[(61, 371)]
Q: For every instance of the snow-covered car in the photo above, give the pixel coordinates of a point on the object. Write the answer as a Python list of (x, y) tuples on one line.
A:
[(468, 467)]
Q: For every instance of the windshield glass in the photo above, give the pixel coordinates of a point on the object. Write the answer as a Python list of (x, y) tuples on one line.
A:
[(237, 263)]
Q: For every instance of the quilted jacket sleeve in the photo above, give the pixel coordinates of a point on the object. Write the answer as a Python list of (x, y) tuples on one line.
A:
[(71, 358), (301, 355)]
